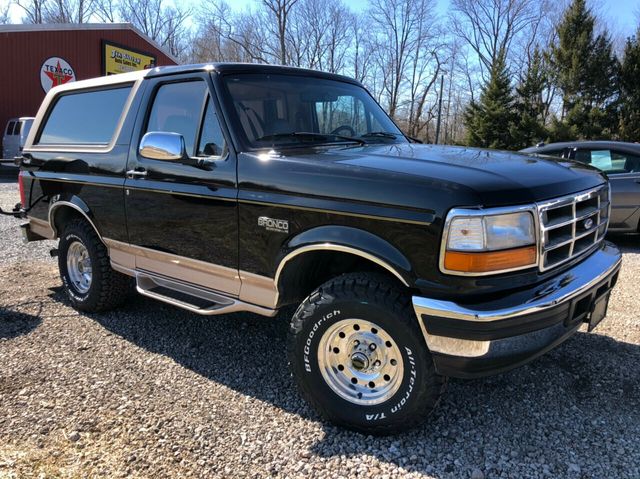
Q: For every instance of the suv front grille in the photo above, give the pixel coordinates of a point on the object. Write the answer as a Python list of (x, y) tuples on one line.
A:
[(572, 225)]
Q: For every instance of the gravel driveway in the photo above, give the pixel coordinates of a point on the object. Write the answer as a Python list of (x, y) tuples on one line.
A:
[(153, 391)]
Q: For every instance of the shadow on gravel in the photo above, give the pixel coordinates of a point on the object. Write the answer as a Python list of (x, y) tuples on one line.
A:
[(628, 243), (14, 323), (575, 409)]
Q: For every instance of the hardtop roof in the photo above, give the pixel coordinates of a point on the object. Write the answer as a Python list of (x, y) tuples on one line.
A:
[(223, 68)]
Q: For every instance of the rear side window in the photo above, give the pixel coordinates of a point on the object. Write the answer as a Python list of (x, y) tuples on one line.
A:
[(86, 118), (10, 128), (18, 127)]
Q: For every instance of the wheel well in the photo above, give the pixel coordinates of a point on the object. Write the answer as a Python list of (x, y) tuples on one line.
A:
[(64, 214), (304, 273)]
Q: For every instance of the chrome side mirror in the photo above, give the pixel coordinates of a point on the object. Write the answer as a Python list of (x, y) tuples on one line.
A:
[(160, 145)]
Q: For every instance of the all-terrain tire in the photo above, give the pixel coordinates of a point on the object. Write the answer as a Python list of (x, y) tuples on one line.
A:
[(376, 299), (108, 288)]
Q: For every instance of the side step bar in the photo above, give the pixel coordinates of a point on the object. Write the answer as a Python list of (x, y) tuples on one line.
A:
[(193, 298)]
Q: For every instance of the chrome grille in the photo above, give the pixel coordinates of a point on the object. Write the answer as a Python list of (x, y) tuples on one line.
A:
[(572, 225)]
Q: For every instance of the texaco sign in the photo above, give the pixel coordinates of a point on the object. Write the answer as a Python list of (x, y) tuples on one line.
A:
[(55, 71)]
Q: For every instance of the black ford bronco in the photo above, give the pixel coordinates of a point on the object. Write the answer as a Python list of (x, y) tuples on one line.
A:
[(233, 187)]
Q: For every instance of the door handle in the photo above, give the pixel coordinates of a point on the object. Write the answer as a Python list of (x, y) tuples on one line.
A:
[(136, 173)]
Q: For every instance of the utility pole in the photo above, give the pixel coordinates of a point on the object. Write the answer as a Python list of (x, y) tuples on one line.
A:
[(439, 110)]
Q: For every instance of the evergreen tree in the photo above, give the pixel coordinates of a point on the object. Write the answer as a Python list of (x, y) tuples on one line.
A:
[(529, 128), (586, 71), (630, 90), (489, 122)]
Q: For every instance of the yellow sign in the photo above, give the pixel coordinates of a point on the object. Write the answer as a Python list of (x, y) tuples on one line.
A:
[(118, 59)]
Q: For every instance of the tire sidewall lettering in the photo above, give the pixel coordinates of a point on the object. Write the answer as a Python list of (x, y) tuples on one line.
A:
[(307, 348), (386, 411)]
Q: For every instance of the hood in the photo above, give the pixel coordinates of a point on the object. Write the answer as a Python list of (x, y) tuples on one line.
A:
[(496, 177), (415, 177)]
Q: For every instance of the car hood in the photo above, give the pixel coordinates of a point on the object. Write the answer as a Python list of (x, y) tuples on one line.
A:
[(496, 177)]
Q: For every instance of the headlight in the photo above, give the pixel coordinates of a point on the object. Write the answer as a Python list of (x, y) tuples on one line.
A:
[(484, 243)]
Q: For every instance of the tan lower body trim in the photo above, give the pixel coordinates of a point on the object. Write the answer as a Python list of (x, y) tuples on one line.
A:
[(258, 289), (248, 287), (42, 228)]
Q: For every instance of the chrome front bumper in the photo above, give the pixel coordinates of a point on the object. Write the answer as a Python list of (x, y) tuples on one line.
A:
[(481, 339)]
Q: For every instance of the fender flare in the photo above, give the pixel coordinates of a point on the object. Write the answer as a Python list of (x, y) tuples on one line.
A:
[(76, 204), (350, 240)]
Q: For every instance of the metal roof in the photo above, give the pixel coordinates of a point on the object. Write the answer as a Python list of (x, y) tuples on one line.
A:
[(53, 27)]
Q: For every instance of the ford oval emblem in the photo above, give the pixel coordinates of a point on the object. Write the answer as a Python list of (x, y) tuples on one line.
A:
[(588, 223)]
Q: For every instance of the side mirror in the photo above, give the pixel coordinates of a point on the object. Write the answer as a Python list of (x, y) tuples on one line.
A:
[(160, 145)]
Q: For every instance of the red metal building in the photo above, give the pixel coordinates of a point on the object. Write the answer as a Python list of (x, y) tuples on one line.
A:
[(37, 57)]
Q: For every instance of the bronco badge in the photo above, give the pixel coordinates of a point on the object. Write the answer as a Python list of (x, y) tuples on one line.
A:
[(272, 224)]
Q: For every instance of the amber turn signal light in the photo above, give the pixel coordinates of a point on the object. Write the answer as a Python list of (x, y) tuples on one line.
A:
[(487, 261)]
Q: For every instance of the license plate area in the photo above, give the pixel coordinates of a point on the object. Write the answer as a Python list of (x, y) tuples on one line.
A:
[(598, 311)]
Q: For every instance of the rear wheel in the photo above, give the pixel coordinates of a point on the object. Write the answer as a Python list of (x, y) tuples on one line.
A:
[(89, 281), (359, 357)]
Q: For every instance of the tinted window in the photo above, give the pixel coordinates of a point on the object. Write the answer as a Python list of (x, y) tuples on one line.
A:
[(611, 162), (10, 128), (17, 128), (86, 118), (177, 108), (212, 141)]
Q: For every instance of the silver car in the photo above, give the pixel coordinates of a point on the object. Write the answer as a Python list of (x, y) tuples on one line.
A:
[(621, 162)]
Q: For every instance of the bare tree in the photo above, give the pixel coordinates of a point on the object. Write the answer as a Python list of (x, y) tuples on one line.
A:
[(163, 23), (362, 47), (106, 10), (490, 26), (4, 14), (404, 50), (318, 35), (68, 11), (280, 10), (34, 10)]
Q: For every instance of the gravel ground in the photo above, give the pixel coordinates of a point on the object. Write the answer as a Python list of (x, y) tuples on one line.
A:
[(153, 391)]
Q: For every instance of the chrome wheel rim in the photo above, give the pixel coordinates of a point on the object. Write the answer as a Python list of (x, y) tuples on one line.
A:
[(79, 266), (360, 362)]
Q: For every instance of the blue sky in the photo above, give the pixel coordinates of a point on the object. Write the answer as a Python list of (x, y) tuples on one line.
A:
[(622, 15)]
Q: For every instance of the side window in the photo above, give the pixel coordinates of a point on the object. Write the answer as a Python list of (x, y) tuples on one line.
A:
[(608, 161), (85, 117), (625, 163), (212, 141), (17, 128), (177, 108), (10, 128)]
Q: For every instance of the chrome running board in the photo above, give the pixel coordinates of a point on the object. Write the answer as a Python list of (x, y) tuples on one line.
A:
[(193, 298)]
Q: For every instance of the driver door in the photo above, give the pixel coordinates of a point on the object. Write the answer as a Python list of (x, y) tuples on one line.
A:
[(182, 215)]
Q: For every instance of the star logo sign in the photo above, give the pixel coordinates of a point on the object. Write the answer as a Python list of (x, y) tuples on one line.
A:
[(55, 71), (58, 75)]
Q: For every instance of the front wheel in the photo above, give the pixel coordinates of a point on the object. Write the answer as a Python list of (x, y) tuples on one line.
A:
[(359, 357)]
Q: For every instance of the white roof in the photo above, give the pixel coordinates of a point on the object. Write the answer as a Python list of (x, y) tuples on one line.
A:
[(102, 81)]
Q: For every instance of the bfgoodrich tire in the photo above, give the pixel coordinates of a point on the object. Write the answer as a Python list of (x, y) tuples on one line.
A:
[(359, 356), (88, 279)]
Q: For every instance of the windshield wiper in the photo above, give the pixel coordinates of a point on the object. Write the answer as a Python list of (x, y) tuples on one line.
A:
[(379, 134), (312, 136)]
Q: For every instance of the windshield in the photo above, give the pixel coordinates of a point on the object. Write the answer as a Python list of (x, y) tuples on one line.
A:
[(290, 110)]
